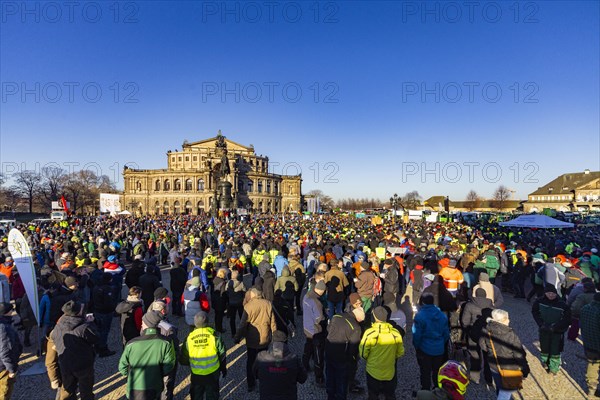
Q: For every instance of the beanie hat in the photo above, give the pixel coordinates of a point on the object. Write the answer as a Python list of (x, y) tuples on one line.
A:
[(365, 265), (279, 336), (452, 263), (380, 314), (388, 261), (161, 293), (72, 308), (480, 292), (200, 319), (359, 314), (427, 298), (152, 318), (354, 298), (550, 289), (320, 287), (483, 277), (389, 298), (112, 259), (70, 281)]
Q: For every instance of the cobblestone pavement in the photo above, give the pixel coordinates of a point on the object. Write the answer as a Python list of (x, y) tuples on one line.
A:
[(569, 384)]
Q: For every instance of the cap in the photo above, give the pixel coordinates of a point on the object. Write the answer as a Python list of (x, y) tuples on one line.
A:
[(72, 308)]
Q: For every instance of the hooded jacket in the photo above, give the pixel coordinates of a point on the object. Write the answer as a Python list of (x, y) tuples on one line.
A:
[(336, 282), (381, 346), (509, 350), (364, 285), (268, 286), (235, 292), (472, 311), (492, 291), (131, 318), (343, 338), (287, 284), (442, 298), (312, 314), (74, 340), (10, 346), (278, 370), (430, 330)]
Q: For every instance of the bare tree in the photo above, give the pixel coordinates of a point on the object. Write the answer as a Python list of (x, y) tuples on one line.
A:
[(501, 196), (27, 184), (473, 201), (410, 200), (53, 179), (326, 202)]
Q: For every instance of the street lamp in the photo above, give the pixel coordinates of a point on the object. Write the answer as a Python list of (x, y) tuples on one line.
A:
[(394, 203)]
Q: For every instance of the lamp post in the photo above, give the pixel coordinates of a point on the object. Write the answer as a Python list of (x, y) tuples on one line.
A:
[(394, 203)]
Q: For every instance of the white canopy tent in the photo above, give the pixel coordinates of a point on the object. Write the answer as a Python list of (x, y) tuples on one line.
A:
[(536, 221), (124, 212)]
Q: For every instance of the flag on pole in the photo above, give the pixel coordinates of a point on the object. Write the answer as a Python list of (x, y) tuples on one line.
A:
[(20, 252), (63, 202)]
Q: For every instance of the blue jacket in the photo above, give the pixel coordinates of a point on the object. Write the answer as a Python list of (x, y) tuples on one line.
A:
[(279, 263), (430, 330), (45, 309), (10, 346)]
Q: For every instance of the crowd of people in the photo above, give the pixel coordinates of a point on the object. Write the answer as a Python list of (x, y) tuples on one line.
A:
[(356, 291)]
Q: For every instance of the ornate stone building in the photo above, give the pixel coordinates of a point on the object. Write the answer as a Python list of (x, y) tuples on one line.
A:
[(192, 181)]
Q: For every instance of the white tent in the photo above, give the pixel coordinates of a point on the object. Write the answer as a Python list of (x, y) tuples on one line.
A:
[(536, 221), (124, 212)]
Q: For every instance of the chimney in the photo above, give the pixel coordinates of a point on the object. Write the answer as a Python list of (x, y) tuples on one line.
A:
[(587, 171)]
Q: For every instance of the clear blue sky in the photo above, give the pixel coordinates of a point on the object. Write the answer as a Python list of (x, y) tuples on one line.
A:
[(362, 68)]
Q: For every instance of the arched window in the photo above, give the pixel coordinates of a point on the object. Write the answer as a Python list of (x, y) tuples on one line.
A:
[(268, 186), (260, 186), (177, 186), (167, 185), (188, 207), (250, 186), (188, 185), (138, 186), (200, 207), (166, 207), (290, 189), (176, 208), (200, 184), (157, 185), (157, 207), (275, 187)]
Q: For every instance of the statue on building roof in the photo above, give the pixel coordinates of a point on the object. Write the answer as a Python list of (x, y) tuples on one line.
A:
[(221, 143)]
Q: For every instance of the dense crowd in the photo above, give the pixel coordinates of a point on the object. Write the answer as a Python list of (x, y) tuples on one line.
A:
[(342, 283)]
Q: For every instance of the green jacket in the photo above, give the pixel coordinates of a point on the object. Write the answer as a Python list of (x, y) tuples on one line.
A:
[(145, 361)]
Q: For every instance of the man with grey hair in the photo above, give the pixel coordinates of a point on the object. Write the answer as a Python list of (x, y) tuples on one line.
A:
[(503, 350), (204, 351)]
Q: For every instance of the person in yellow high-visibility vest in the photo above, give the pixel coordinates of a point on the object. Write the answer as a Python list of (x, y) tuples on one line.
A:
[(204, 351)]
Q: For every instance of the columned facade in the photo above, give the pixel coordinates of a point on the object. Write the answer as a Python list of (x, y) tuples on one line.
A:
[(188, 185)]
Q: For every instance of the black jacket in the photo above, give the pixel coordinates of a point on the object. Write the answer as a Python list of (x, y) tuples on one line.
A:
[(74, 340), (441, 296), (132, 278), (149, 283), (178, 280), (127, 310), (278, 370), (268, 287), (235, 292), (390, 281), (57, 300), (554, 315), (103, 299), (473, 310), (509, 350), (343, 338)]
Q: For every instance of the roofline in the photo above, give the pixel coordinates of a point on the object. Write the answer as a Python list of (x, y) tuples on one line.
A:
[(214, 138)]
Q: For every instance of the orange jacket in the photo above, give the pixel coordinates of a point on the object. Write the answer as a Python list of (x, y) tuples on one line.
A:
[(7, 271), (452, 278)]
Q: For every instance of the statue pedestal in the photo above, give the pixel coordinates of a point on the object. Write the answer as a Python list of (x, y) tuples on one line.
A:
[(225, 200)]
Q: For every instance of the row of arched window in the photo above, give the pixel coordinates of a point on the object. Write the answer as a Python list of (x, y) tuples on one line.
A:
[(165, 185)]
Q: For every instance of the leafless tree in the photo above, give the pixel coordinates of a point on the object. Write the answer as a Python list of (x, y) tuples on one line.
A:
[(473, 201), (27, 185), (501, 196)]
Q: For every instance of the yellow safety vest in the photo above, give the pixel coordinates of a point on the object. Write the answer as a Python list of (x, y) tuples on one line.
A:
[(202, 348)]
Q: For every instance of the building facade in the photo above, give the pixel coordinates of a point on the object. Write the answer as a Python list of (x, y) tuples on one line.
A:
[(189, 183), (579, 191)]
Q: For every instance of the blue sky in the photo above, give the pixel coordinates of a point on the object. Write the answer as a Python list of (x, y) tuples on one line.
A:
[(394, 97)]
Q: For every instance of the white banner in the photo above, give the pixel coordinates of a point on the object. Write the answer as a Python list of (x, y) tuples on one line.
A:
[(110, 203), (20, 252)]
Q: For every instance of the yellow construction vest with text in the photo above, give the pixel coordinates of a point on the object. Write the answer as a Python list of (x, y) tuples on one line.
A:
[(202, 348)]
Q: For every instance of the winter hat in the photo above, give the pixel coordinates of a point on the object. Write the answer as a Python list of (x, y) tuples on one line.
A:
[(589, 287), (5, 308), (152, 318), (200, 319), (138, 257), (365, 265), (359, 314), (380, 314), (106, 278), (429, 277), (389, 298), (160, 293), (72, 308), (483, 277), (388, 261), (480, 292), (320, 288), (112, 259), (452, 263), (550, 289), (70, 281), (354, 298), (279, 336), (427, 298)]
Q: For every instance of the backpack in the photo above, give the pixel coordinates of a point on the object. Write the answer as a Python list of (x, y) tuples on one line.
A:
[(376, 286)]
